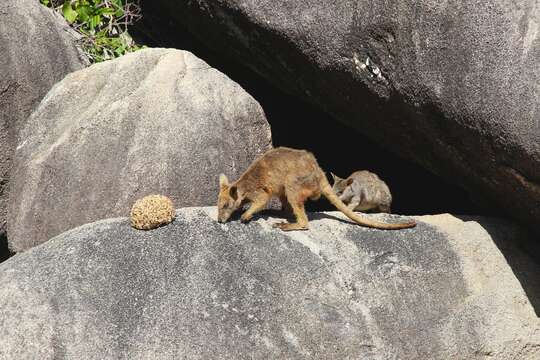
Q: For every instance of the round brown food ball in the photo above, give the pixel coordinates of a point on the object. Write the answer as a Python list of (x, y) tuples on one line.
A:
[(151, 212)]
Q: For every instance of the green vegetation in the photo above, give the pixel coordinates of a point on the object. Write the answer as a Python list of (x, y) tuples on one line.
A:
[(102, 23)]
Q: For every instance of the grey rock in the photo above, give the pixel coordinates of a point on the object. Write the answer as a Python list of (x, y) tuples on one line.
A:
[(452, 85), (37, 50), (197, 289), (154, 121)]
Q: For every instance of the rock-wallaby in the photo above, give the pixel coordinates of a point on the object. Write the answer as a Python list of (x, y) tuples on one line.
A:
[(292, 175), (363, 191)]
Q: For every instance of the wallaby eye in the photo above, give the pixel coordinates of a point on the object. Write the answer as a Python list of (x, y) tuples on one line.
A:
[(227, 204)]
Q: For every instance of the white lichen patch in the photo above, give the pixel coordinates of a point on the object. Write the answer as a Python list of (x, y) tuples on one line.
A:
[(21, 145), (291, 339), (368, 66), (533, 29), (304, 239)]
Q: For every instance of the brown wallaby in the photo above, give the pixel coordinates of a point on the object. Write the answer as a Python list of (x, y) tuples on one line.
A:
[(292, 175), (363, 191)]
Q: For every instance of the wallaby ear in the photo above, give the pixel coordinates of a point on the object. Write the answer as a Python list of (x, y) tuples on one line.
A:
[(233, 192), (336, 178), (349, 181), (223, 181)]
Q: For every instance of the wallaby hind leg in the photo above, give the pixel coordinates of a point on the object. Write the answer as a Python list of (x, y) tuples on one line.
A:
[(354, 203), (257, 204), (296, 200)]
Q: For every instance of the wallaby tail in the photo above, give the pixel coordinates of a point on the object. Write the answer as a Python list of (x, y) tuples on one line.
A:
[(327, 191)]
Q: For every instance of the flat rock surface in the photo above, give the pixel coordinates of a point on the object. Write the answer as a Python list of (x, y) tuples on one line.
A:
[(37, 50), (195, 289), (156, 121)]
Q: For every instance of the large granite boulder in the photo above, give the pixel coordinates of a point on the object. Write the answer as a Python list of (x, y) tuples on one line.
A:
[(452, 85), (197, 289), (37, 50), (154, 121)]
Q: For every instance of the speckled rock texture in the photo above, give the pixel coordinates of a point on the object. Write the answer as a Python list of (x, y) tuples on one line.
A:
[(154, 121), (453, 85), (197, 289), (37, 49)]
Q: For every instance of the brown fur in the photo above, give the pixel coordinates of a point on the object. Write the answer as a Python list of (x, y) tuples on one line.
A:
[(292, 175)]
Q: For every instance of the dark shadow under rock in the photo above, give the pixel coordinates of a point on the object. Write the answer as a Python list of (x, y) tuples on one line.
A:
[(338, 148), (4, 249), (417, 78)]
